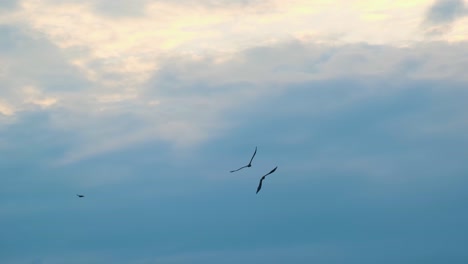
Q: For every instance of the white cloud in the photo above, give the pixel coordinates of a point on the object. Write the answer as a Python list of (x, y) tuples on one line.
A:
[(173, 72), (32, 95), (130, 47), (6, 109)]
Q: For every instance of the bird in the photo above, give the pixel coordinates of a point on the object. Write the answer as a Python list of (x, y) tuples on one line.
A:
[(250, 163), (80, 195), (263, 177)]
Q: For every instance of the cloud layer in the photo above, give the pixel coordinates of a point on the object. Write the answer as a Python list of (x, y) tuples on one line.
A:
[(443, 14), (145, 106)]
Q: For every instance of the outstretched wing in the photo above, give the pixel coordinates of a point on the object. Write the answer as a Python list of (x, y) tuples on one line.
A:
[(250, 163), (240, 168), (263, 177), (260, 184), (255, 152), (273, 170)]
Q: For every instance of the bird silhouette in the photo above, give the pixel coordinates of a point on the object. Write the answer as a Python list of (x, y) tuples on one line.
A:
[(250, 163), (80, 195), (263, 177)]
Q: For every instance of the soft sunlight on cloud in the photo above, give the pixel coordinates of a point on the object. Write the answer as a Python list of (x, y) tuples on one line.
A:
[(46, 102), (193, 95), (374, 16), (459, 31), (113, 98), (32, 95), (154, 102), (132, 45), (5, 109), (159, 62), (383, 5)]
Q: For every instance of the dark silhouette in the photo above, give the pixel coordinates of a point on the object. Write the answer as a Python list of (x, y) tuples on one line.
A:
[(263, 177), (250, 163), (80, 195)]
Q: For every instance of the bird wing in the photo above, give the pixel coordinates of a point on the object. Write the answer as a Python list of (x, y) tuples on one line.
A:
[(260, 184), (240, 168), (255, 152), (273, 170), (263, 177)]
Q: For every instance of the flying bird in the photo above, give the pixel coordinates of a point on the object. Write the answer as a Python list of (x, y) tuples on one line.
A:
[(250, 163), (80, 195), (263, 177)]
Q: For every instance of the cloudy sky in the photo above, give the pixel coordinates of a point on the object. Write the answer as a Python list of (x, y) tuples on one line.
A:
[(145, 106)]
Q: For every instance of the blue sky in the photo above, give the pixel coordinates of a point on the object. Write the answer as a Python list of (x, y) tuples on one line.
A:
[(144, 107)]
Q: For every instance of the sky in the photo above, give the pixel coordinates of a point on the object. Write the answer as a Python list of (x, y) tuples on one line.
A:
[(145, 106)]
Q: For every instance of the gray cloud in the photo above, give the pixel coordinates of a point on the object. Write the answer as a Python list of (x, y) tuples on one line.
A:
[(295, 62), (446, 11), (215, 85), (36, 81), (358, 123), (8, 5), (28, 58), (120, 8), (327, 144), (442, 14)]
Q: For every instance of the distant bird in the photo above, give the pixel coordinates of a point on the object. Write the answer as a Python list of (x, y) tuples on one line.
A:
[(80, 195), (250, 163), (263, 177)]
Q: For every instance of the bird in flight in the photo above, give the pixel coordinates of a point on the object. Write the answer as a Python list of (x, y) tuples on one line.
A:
[(263, 177), (80, 195), (250, 163)]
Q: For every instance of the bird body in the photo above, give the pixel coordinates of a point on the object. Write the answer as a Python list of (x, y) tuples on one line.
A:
[(250, 162), (80, 195), (263, 177)]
